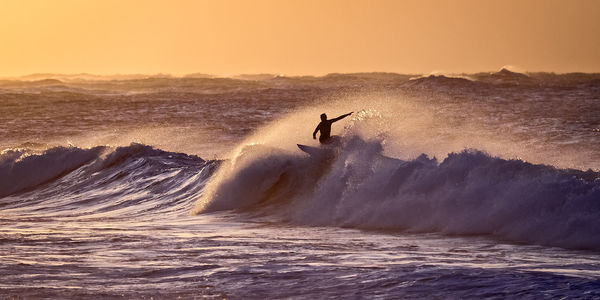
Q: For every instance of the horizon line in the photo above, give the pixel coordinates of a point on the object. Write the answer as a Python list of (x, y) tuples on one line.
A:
[(279, 74)]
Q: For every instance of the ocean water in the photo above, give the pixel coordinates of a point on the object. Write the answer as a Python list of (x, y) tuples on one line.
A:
[(155, 187)]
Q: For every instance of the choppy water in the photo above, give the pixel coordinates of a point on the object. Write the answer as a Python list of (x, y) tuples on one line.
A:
[(213, 199)]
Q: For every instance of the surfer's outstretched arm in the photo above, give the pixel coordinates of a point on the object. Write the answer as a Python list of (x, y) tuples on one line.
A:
[(341, 117), (316, 130)]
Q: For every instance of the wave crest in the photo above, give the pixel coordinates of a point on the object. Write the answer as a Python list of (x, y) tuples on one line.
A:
[(20, 170), (125, 180)]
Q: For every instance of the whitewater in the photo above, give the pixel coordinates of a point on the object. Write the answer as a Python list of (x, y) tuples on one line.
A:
[(444, 186)]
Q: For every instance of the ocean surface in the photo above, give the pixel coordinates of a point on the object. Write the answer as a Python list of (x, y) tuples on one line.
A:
[(158, 187)]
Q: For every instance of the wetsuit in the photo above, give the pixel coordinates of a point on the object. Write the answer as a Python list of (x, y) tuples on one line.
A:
[(325, 128)]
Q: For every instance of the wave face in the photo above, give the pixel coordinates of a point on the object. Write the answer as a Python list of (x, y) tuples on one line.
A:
[(100, 181), (468, 193)]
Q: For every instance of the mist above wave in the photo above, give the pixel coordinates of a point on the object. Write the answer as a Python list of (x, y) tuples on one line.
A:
[(540, 117)]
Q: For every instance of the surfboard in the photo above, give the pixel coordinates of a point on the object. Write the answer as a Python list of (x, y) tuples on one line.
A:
[(314, 151)]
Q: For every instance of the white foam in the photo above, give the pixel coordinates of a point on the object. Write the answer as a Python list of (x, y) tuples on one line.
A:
[(467, 193)]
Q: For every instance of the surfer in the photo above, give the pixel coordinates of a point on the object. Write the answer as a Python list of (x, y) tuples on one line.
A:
[(325, 128)]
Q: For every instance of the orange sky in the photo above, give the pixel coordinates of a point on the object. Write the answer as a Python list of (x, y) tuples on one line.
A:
[(297, 36)]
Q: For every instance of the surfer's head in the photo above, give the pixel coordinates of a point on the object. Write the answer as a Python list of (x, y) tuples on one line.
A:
[(323, 117)]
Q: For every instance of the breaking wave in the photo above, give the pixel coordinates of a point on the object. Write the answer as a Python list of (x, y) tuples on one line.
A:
[(355, 186), (468, 193), (101, 180)]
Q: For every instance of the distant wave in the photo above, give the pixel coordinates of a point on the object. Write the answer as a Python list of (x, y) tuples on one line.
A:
[(75, 181), (482, 80), (435, 82), (468, 193), (209, 84)]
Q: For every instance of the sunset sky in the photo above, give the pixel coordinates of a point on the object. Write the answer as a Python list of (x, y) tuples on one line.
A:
[(297, 37)]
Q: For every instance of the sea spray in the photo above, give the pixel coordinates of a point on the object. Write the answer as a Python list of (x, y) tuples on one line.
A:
[(467, 193)]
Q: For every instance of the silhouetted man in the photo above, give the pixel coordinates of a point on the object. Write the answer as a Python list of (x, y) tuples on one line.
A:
[(325, 128)]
